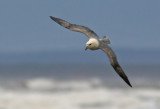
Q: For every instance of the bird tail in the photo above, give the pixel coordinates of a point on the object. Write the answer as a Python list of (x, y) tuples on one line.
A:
[(106, 39)]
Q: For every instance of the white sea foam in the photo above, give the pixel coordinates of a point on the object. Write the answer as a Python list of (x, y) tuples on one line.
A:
[(49, 84), (43, 93)]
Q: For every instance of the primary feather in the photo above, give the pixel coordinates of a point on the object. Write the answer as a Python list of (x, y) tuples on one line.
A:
[(88, 32)]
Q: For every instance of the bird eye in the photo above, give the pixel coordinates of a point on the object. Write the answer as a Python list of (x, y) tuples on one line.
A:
[(89, 44)]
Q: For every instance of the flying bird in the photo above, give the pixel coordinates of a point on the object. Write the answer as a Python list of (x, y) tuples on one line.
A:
[(95, 43)]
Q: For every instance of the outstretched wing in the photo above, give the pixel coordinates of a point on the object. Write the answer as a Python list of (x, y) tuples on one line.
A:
[(115, 64), (88, 32)]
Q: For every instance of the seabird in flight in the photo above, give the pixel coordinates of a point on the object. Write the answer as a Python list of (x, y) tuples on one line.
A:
[(95, 43)]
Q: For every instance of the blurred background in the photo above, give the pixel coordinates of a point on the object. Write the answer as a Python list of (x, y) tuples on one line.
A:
[(44, 66)]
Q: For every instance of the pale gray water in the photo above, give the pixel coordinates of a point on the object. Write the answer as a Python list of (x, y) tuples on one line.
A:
[(41, 84), (76, 86)]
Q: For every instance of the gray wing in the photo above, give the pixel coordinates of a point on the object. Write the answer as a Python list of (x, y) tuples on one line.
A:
[(115, 64), (88, 32)]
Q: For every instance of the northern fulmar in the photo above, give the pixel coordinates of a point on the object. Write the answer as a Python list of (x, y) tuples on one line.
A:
[(95, 43)]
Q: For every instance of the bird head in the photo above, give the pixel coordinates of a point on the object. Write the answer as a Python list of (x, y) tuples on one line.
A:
[(92, 44)]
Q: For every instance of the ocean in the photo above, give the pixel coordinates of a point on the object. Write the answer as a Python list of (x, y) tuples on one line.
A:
[(78, 81)]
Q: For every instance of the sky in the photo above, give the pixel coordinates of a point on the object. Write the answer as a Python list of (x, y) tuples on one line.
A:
[(25, 25)]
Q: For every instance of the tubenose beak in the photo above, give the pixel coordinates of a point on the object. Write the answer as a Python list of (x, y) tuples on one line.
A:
[(86, 48)]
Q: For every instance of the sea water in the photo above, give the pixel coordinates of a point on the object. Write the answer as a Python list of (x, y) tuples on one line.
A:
[(78, 86)]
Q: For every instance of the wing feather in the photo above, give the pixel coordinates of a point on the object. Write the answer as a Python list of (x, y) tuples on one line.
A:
[(113, 60), (85, 30)]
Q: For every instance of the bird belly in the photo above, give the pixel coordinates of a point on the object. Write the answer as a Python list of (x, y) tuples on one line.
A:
[(94, 48)]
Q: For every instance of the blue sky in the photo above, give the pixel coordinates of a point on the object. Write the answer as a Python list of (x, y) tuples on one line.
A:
[(25, 25)]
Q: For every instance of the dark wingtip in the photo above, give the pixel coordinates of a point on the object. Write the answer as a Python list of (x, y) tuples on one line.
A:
[(120, 72), (126, 80), (53, 18), (129, 84), (50, 17)]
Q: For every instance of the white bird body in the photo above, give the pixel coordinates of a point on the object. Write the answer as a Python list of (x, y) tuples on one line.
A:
[(95, 43)]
